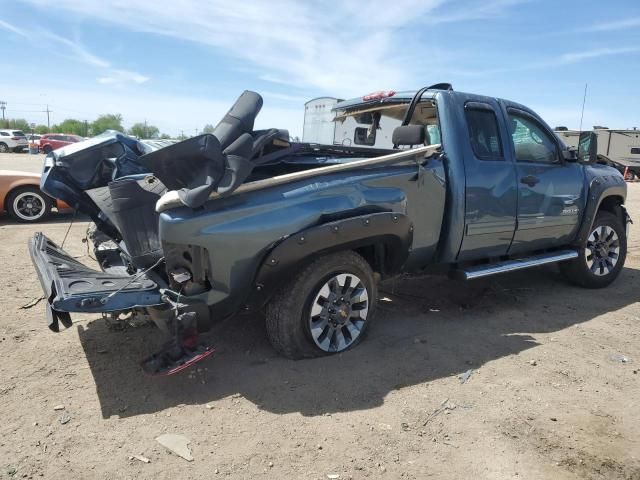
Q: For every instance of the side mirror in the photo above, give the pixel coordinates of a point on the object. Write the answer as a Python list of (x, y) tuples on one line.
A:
[(408, 135), (588, 147)]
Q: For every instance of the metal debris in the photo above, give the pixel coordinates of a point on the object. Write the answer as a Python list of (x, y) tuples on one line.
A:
[(141, 458), (464, 378), (445, 406), (178, 444), (32, 303)]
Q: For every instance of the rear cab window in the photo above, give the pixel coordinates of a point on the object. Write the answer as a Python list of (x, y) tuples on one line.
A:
[(18, 133), (484, 132)]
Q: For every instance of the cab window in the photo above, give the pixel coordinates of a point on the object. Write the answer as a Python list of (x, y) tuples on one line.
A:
[(532, 143), (484, 135)]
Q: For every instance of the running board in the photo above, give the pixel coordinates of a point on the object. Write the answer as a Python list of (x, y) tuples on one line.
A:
[(518, 264)]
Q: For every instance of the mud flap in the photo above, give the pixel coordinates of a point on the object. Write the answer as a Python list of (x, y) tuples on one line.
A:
[(70, 286)]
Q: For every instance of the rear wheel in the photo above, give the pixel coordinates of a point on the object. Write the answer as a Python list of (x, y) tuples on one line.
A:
[(325, 309), (29, 204), (602, 257)]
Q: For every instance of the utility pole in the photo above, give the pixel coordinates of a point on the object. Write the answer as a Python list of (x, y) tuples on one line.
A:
[(86, 128), (181, 134), (145, 128), (48, 121), (3, 105)]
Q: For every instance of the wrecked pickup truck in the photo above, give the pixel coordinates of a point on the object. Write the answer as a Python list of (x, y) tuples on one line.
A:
[(244, 220)]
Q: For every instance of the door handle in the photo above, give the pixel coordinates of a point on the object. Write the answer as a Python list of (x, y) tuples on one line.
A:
[(530, 180)]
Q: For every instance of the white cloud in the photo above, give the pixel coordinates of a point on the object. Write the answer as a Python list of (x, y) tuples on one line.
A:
[(12, 28), (595, 53), (78, 52), (339, 47), (614, 25), (122, 77)]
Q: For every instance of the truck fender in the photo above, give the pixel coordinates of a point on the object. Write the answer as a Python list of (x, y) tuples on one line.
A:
[(394, 230), (600, 189)]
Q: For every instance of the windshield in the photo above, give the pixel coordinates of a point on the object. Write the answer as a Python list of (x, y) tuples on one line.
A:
[(18, 133)]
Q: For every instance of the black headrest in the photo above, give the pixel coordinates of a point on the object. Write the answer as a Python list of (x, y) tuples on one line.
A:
[(408, 135), (239, 119)]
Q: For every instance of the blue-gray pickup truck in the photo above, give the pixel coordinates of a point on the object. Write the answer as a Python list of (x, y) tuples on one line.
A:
[(245, 220)]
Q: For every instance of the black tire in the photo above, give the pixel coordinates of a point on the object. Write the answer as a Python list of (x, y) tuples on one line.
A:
[(39, 211), (289, 317), (47, 149), (4, 148), (578, 271)]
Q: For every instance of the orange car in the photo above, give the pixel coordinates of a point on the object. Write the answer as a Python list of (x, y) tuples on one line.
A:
[(21, 197)]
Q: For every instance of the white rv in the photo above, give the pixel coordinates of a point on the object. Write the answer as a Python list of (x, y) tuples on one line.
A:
[(318, 120), (622, 147)]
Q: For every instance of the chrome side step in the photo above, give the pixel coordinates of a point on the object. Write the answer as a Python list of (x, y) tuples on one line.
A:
[(519, 264)]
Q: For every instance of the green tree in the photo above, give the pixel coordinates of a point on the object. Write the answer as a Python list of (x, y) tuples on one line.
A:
[(107, 122), (165, 136), (71, 125), (208, 128), (42, 129), (17, 124), (142, 130)]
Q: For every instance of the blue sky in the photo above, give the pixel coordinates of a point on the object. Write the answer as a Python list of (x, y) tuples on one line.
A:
[(180, 64)]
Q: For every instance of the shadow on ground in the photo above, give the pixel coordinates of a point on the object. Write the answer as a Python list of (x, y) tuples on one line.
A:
[(408, 344), (63, 217)]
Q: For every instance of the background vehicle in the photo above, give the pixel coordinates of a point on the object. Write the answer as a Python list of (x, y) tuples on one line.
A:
[(52, 141), (12, 140), (21, 197), (34, 139), (240, 220), (618, 148)]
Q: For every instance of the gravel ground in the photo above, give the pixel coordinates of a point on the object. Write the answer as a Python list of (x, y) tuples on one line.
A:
[(552, 390)]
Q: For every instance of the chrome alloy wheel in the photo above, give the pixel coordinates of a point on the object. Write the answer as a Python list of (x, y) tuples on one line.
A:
[(29, 206), (603, 250), (338, 312)]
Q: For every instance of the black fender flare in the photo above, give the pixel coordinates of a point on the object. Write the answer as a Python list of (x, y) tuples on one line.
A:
[(600, 188), (395, 230)]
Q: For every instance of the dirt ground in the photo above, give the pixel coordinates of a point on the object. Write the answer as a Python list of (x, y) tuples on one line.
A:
[(553, 389)]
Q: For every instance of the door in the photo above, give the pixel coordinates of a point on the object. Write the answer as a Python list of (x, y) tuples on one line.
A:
[(550, 190), (490, 175)]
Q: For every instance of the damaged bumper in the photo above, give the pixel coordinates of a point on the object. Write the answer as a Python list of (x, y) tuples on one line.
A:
[(70, 286)]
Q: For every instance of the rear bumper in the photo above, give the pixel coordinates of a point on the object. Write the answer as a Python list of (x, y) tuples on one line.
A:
[(70, 286)]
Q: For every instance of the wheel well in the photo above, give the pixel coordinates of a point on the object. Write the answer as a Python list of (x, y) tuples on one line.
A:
[(612, 204), (378, 257)]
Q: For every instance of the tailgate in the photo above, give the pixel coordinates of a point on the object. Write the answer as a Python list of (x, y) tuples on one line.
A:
[(70, 286)]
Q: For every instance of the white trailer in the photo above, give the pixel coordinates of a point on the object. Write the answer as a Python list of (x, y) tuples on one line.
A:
[(318, 121), (621, 147)]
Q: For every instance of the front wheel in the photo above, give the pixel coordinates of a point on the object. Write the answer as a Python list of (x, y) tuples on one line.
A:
[(325, 309), (602, 257)]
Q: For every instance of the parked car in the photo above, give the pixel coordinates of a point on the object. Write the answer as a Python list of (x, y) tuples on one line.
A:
[(242, 220), (22, 199), (52, 141), (12, 140)]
